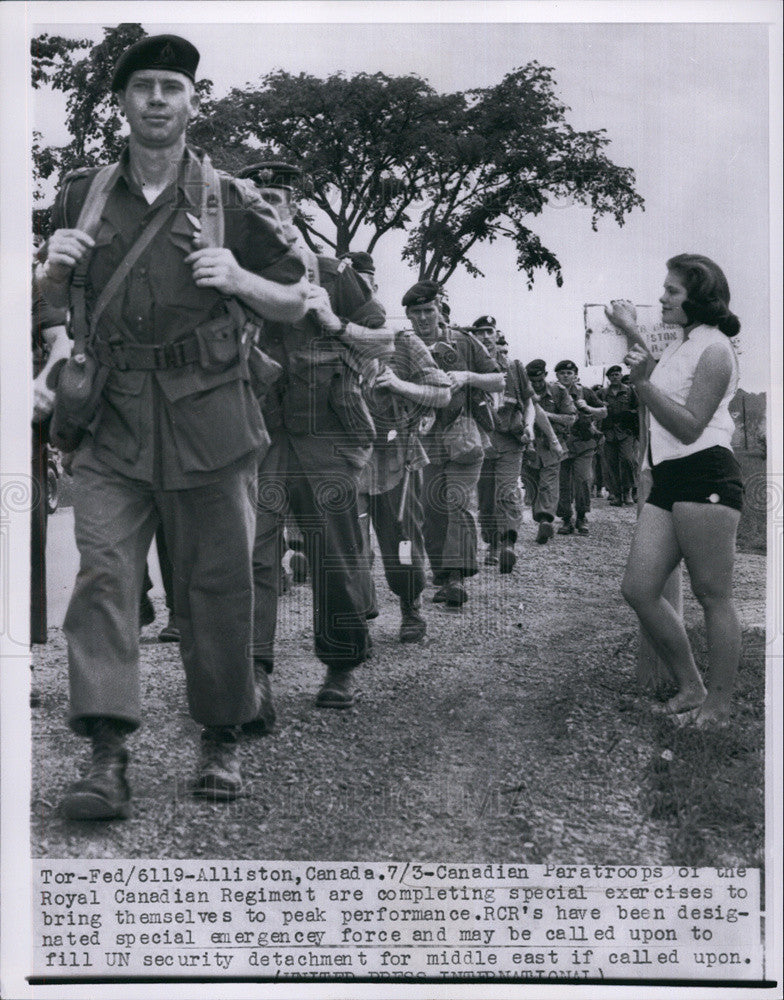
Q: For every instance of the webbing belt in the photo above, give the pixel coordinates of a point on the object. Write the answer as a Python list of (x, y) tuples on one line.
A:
[(147, 357)]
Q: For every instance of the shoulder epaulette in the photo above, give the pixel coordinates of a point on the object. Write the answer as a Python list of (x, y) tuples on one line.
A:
[(244, 185), (74, 175)]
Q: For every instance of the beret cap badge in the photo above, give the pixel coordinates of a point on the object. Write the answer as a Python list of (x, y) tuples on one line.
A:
[(166, 55)]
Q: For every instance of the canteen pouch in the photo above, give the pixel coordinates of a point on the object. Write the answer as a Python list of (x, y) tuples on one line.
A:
[(462, 440), (79, 387)]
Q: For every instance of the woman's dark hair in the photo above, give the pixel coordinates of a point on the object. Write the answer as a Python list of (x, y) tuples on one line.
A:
[(707, 292)]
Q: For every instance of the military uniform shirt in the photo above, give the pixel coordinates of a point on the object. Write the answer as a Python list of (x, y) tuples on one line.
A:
[(621, 419), (174, 428), (397, 422)]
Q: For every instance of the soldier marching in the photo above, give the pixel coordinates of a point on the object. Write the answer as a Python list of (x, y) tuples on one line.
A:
[(242, 383)]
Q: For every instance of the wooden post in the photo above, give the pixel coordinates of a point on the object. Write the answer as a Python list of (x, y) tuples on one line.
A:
[(653, 675)]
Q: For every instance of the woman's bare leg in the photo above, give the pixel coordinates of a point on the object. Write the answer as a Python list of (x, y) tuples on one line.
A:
[(706, 535), (654, 554)]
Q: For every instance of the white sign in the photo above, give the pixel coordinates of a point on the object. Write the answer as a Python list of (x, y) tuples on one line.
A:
[(605, 345)]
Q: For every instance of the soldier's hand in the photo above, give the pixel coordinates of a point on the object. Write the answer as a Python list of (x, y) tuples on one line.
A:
[(66, 247), (458, 379), (43, 399), (318, 303), (386, 379), (215, 267), (557, 448)]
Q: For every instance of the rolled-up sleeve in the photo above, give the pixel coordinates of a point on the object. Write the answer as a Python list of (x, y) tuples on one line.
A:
[(423, 369)]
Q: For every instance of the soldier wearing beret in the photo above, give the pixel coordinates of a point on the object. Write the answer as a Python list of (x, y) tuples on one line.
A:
[(362, 263), (502, 350), (178, 430), (542, 460), (451, 477), (322, 434), (500, 496), (401, 395), (576, 475), (619, 428)]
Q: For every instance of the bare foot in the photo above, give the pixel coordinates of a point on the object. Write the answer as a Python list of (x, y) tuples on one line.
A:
[(712, 716), (684, 701)]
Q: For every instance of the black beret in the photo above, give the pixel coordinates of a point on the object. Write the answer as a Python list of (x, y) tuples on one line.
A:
[(566, 366), (360, 261), (273, 173), (484, 323), (614, 368), (421, 293), (168, 52), (536, 367)]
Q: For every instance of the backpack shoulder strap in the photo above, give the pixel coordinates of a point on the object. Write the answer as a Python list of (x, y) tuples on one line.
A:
[(88, 221), (212, 223), (213, 232), (97, 195)]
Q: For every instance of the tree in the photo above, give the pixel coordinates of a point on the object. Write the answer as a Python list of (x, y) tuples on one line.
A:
[(478, 166), (364, 143), (384, 153), (509, 152)]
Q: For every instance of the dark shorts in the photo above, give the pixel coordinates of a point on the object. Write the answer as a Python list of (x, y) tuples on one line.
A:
[(712, 476)]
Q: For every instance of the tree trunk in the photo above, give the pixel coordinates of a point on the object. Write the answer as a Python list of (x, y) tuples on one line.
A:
[(342, 238)]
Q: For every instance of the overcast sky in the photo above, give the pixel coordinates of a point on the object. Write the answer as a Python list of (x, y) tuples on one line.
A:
[(685, 105)]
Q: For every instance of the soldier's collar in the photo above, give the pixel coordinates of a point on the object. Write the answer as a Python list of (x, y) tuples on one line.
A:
[(188, 179)]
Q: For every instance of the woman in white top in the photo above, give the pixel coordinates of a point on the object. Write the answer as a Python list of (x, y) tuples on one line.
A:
[(693, 509)]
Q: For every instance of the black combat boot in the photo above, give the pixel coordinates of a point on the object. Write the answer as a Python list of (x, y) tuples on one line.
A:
[(507, 556), (544, 532), (169, 632), (455, 593), (412, 624), (264, 720), (567, 528), (335, 691), (103, 793), (219, 777), (582, 526)]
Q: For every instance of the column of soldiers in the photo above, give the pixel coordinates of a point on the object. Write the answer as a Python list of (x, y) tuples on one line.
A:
[(251, 384)]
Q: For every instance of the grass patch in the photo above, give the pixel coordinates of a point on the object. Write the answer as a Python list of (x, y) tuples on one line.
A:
[(709, 784)]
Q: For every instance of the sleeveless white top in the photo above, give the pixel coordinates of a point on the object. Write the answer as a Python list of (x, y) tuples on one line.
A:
[(674, 375)]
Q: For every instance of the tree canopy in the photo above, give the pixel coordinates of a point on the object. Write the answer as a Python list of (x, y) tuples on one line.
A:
[(379, 153)]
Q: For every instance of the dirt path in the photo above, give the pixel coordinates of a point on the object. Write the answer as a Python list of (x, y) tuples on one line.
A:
[(516, 732)]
